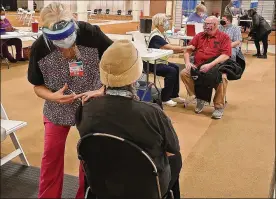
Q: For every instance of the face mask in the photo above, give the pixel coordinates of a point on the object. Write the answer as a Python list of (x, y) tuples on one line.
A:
[(166, 25), (66, 43), (222, 22), (3, 17), (201, 15)]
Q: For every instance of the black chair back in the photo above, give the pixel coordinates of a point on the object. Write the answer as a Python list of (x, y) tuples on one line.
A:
[(100, 11), (107, 11), (118, 169), (95, 11), (129, 12), (119, 12)]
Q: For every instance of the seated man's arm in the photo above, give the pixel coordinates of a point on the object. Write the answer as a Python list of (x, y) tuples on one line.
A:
[(235, 44), (187, 52), (222, 58), (237, 37)]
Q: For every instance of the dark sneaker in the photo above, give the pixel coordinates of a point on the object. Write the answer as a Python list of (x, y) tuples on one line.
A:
[(12, 60), (199, 105), (256, 55), (218, 113), (21, 59), (262, 56)]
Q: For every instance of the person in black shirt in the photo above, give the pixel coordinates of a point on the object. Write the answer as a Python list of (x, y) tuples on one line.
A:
[(168, 70), (259, 31), (64, 62), (120, 113)]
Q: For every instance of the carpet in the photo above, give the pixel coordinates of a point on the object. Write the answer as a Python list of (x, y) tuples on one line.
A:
[(19, 181)]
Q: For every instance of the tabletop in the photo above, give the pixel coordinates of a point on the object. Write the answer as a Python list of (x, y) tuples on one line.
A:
[(154, 54), (20, 34), (132, 32)]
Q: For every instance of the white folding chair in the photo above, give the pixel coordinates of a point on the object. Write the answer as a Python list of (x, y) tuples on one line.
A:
[(28, 17), (23, 16), (140, 42), (9, 128), (19, 13), (31, 17)]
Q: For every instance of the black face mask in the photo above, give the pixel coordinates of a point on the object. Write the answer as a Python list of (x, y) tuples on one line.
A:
[(223, 23)]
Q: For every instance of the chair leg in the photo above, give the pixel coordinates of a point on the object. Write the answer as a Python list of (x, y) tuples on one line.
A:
[(172, 196), (6, 60), (18, 146), (86, 193)]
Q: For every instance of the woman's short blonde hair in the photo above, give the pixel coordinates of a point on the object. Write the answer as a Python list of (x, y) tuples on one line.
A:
[(159, 19), (53, 13), (200, 8)]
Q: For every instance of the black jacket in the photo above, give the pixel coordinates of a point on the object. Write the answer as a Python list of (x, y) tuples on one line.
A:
[(205, 82), (260, 27)]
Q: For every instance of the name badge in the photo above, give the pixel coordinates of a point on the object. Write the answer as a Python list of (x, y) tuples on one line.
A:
[(76, 69)]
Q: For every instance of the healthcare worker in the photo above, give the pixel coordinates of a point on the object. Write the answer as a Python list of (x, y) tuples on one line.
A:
[(168, 70), (64, 69)]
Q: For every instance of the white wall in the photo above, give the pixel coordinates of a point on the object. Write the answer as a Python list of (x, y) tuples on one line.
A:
[(30, 4), (169, 8), (137, 6), (113, 5), (146, 7), (213, 6)]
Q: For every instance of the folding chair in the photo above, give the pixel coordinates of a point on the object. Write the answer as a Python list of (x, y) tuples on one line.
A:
[(119, 12), (107, 11), (9, 128), (117, 168), (24, 16), (30, 16), (19, 13)]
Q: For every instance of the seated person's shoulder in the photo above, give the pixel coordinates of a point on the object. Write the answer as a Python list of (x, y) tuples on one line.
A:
[(157, 42), (150, 107), (223, 35)]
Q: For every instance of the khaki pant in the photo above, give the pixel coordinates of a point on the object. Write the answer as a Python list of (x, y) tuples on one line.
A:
[(219, 99)]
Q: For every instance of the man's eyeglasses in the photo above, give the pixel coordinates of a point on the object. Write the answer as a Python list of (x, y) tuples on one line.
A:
[(207, 24)]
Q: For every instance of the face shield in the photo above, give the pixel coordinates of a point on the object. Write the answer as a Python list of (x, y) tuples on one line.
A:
[(63, 34)]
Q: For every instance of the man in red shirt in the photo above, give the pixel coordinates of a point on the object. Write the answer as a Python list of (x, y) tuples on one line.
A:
[(206, 45)]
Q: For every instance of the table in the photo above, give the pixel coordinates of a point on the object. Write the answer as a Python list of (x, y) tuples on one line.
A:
[(154, 55), (18, 34), (132, 32), (181, 37)]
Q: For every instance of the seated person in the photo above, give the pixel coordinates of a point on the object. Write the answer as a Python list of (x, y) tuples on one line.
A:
[(199, 15), (206, 45), (169, 94), (4, 22), (235, 35), (143, 123)]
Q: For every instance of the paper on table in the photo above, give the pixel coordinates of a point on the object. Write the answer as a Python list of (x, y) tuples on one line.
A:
[(140, 43), (198, 27)]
